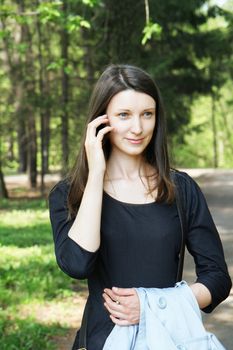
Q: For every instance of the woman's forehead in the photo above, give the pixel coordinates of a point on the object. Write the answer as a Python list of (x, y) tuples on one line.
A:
[(131, 99)]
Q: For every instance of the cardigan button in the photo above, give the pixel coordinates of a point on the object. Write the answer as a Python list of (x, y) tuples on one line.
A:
[(162, 303), (181, 347)]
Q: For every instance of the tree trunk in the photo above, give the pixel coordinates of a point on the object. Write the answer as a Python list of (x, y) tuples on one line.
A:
[(47, 88), (47, 139), (3, 189), (42, 104), (32, 151), (29, 88), (14, 64), (214, 130), (22, 145), (228, 131), (65, 93)]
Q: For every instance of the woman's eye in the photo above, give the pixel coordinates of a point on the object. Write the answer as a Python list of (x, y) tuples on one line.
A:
[(148, 114), (123, 115)]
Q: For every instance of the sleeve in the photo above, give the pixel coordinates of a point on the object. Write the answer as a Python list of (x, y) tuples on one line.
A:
[(204, 244), (74, 260)]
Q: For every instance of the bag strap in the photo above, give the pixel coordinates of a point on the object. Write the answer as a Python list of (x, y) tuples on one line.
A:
[(180, 200), (83, 329)]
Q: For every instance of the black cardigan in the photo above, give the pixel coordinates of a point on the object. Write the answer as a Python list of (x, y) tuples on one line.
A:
[(140, 245)]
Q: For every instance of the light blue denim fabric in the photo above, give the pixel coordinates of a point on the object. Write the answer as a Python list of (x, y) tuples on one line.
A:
[(170, 319)]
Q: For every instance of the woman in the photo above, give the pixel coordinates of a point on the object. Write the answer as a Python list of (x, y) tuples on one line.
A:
[(114, 219)]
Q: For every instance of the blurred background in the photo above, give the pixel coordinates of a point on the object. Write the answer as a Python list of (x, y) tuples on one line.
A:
[(51, 54)]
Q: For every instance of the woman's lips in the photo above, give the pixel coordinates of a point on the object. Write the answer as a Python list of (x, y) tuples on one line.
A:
[(135, 141)]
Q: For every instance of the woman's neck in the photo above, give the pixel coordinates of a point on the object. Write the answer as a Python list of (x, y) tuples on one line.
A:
[(126, 179), (126, 167)]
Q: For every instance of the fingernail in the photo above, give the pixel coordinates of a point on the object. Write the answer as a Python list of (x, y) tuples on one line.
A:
[(115, 289)]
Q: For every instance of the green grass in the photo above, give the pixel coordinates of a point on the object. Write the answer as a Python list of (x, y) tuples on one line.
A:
[(18, 334), (29, 277)]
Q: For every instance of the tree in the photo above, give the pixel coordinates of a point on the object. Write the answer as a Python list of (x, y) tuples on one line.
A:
[(52, 52), (65, 88)]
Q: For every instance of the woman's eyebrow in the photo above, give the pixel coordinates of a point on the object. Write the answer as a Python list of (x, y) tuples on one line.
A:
[(128, 110), (150, 108)]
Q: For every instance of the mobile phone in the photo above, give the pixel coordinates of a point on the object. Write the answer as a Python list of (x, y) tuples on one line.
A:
[(106, 136), (100, 127)]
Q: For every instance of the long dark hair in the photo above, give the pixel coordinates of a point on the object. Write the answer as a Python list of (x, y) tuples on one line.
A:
[(114, 79)]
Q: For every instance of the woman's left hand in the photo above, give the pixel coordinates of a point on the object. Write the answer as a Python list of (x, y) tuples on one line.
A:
[(123, 305)]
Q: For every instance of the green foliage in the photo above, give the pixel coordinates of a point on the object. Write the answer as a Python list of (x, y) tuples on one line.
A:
[(91, 3), (29, 276), (151, 29), (26, 334), (196, 148), (74, 23), (185, 45), (50, 11)]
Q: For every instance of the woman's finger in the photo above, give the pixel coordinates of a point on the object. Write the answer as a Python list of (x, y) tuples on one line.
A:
[(112, 295), (112, 303), (103, 132), (114, 312), (123, 291), (120, 322), (94, 124)]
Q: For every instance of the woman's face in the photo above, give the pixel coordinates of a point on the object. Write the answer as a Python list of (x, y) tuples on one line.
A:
[(132, 114)]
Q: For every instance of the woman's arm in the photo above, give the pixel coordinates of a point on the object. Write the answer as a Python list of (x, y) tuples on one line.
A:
[(202, 295), (77, 240), (85, 230), (204, 244), (71, 257), (86, 227)]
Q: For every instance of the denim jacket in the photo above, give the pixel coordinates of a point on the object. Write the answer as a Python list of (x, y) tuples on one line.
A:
[(170, 319)]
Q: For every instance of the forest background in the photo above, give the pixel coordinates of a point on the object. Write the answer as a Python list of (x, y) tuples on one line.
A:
[(52, 52)]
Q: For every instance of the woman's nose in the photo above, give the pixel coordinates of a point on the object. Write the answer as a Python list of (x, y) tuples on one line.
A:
[(136, 127)]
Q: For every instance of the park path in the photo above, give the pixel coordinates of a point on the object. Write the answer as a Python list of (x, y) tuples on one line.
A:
[(217, 186)]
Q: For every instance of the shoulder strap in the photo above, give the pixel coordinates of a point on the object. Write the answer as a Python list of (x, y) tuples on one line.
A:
[(180, 200), (83, 329)]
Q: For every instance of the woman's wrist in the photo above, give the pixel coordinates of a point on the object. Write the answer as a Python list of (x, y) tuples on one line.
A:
[(202, 294), (96, 176)]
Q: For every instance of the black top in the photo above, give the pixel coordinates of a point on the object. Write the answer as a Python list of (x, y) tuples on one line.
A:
[(140, 244)]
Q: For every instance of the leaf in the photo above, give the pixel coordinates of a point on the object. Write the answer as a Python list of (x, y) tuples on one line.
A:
[(50, 12), (75, 22), (6, 10), (84, 23), (56, 65), (150, 30), (4, 34), (91, 3)]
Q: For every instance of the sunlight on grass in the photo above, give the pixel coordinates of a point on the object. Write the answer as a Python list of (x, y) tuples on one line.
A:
[(38, 301), (14, 256), (27, 218), (25, 228), (66, 311)]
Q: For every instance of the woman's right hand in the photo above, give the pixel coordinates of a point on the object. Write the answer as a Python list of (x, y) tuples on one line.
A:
[(93, 144)]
